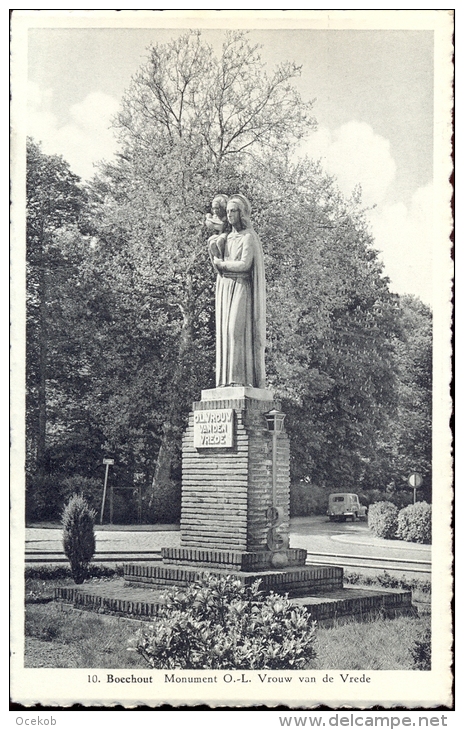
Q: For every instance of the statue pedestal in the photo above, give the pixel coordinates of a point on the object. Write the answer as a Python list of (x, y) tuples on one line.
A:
[(234, 474), (235, 501)]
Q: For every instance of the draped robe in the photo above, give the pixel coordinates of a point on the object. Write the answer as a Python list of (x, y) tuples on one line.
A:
[(241, 312)]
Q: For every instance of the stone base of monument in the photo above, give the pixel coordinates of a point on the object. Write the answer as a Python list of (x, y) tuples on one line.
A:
[(235, 521), (300, 581), (327, 608), (234, 559)]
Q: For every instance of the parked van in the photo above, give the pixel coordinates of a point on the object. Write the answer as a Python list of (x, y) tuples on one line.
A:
[(343, 506)]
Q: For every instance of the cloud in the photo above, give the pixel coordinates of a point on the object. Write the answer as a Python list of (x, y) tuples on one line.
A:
[(355, 155), (85, 139), (404, 236)]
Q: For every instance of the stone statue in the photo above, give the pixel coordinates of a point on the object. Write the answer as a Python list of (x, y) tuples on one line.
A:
[(240, 299), (216, 222)]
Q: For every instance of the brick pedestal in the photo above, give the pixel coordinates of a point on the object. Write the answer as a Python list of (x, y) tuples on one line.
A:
[(301, 581), (234, 494)]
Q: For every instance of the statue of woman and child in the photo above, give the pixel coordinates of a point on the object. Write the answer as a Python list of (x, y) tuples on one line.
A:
[(237, 256)]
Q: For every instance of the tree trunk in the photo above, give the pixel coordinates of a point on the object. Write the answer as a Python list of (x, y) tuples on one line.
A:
[(42, 379), (172, 428)]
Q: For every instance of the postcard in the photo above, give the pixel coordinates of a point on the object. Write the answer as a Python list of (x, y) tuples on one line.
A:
[(231, 266)]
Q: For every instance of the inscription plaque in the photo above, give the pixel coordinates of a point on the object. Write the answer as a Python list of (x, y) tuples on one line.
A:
[(213, 429)]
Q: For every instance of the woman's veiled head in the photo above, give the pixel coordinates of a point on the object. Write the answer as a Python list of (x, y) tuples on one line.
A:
[(244, 208)]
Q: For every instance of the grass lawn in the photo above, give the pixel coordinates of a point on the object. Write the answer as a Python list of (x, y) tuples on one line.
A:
[(58, 636)]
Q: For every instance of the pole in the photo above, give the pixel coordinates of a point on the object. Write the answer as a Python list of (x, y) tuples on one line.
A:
[(415, 481), (111, 501), (104, 494), (274, 468)]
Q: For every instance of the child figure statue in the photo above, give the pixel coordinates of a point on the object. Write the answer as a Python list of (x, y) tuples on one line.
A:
[(217, 223)]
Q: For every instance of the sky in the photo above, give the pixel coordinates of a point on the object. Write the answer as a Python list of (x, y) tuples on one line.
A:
[(373, 93)]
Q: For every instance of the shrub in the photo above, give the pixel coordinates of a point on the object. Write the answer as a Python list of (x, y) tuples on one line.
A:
[(307, 498), (221, 624), (382, 519), (164, 507), (78, 536), (43, 499), (46, 498), (56, 572), (421, 652), (89, 487), (370, 496), (386, 580), (415, 523), (401, 497)]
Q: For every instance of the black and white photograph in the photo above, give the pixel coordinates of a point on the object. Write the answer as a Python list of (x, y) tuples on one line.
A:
[(231, 321)]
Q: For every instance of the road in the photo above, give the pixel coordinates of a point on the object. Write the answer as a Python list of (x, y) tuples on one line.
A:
[(348, 544), (352, 545)]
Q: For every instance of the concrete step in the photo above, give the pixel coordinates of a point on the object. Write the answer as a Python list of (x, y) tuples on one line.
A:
[(244, 561), (345, 604), (294, 581)]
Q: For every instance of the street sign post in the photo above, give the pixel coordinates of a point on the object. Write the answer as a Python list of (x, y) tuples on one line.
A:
[(415, 481), (108, 463)]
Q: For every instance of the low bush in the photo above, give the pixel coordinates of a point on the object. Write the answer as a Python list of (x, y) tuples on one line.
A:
[(88, 487), (221, 624), (382, 519), (78, 536), (308, 499), (400, 497), (55, 572), (415, 523), (46, 498), (386, 580), (164, 505), (421, 651), (43, 499)]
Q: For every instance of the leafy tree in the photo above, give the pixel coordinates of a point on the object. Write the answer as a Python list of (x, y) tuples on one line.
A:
[(405, 436), (330, 323), (54, 202), (413, 428), (189, 126)]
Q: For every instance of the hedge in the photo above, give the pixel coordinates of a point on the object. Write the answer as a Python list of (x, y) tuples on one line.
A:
[(415, 523), (382, 519)]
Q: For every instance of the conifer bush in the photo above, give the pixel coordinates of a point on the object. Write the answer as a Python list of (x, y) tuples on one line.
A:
[(382, 519), (221, 624), (78, 521), (415, 523)]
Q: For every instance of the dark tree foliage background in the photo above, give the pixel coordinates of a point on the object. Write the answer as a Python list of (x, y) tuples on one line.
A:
[(120, 297)]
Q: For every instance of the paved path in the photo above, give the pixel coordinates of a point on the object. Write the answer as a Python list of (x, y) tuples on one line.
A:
[(120, 538)]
